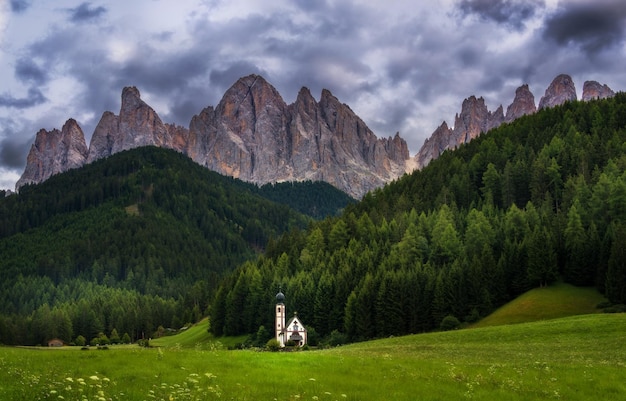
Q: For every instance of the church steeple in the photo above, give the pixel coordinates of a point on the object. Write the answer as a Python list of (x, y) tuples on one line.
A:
[(280, 297), (279, 325)]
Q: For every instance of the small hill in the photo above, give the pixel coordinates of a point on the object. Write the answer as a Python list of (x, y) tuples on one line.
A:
[(196, 336), (134, 241), (556, 301)]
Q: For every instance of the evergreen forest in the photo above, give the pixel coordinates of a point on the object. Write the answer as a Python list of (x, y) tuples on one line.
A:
[(135, 243), (539, 200)]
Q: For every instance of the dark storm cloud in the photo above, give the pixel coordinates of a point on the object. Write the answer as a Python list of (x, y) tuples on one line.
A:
[(34, 98), (513, 13), (13, 153), (591, 26), (19, 6), (26, 70), (85, 12), (225, 78)]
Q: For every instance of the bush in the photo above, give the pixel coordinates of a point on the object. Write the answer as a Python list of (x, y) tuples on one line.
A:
[(449, 323), (80, 341), (312, 338), (337, 338), (473, 317), (272, 345), (619, 308), (125, 339)]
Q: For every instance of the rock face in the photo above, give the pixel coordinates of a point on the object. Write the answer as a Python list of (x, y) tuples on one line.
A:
[(561, 90), (54, 152), (595, 90), (523, 104), (434, 146), (473, 120), (251, 134), (137, 125)]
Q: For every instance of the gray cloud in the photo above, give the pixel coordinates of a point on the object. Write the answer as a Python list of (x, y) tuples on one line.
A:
[(34, 98), (13, 153), (19, 6), (593, 26), (513, 13), (84, 12), (26, 70)]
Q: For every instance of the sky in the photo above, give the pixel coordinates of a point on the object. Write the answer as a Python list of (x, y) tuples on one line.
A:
[(402, 65)]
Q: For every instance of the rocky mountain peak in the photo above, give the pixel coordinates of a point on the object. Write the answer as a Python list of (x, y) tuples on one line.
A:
[(595, 90), (54, 152), (472, 120), (434, 146), (561, 90), (131, 98), (523, 104), (253, 135), (137, 125)]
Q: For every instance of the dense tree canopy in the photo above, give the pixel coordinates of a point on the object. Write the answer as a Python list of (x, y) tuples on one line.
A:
[(132, 242)]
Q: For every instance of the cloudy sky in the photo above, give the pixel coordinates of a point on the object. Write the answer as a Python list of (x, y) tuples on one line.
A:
[(401, 65)]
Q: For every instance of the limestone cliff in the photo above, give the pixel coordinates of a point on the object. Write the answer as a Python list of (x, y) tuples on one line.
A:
[(523, 104), (595, 90), (54, 152), (253, 135), (137, 125), (561, 90)]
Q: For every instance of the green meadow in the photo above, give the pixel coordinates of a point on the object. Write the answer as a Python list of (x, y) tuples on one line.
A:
[(556, 301), (574, 358)]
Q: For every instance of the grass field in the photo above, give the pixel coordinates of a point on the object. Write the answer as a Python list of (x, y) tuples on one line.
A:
[(198, 337), (555, 301), (574, 358)]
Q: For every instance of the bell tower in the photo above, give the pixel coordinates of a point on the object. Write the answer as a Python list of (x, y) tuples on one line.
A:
[(279, 325)]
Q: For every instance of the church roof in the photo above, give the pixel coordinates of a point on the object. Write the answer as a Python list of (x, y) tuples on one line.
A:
[(295, 318)]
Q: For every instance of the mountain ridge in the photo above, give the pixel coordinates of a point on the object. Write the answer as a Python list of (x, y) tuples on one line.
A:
[(252, 134)]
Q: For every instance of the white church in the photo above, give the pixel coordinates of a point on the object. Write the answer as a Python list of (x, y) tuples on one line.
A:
[(293, 330)]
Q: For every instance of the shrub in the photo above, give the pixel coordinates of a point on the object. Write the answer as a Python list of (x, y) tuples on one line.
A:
[(80, 341), (619, 308), (272, 345), (337, 338), (473, 317), (125, 339), (449, 323)]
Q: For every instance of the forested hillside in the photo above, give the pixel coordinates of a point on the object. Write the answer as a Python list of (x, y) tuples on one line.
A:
[(131, 242), (534, 201)]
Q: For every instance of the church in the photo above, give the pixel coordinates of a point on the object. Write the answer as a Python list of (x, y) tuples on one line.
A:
[(293, 330)]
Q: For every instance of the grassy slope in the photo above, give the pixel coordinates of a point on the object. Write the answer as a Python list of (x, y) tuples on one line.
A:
[(555, 301), (574, 358), (196, 336)]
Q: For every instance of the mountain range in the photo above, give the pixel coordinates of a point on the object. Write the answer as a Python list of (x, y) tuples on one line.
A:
[(253, 135)]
